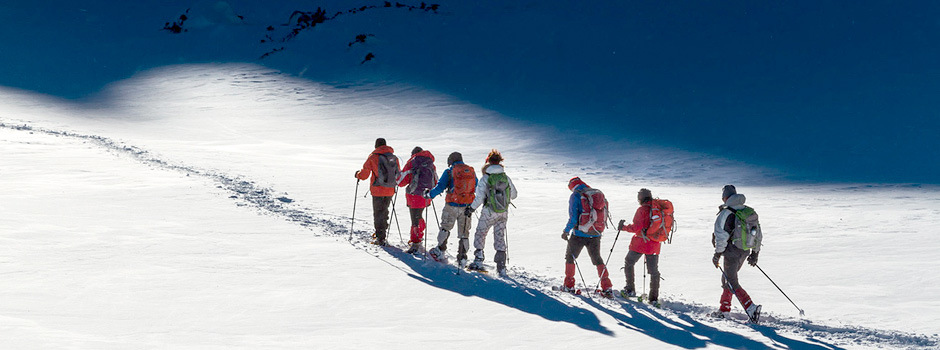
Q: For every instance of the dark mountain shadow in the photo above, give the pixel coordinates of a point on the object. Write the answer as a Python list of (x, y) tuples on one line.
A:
[(517, 296)]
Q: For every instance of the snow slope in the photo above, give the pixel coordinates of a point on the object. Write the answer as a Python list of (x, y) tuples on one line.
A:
[(156, 214)]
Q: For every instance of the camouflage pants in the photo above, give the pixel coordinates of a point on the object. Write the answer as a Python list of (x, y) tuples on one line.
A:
[(498, 222)]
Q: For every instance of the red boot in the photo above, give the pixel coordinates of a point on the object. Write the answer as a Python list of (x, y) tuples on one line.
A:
[(602, 272), (725, 300), (569, 276)]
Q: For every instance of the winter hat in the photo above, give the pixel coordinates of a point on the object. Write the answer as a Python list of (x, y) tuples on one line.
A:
[(379, 142), (494, 157), (575, 182), (454, 157), (728, 191), (416, 150), (643, 195)]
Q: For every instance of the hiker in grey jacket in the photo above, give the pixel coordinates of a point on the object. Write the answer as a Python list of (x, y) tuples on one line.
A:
[(494, 193), (734, 257)]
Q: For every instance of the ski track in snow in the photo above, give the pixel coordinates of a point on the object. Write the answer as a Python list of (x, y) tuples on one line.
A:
[(678, 318)]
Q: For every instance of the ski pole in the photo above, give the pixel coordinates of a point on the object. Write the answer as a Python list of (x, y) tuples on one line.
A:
[(608, 257), (435, 215), (425, 239), (579, 269), (646, 266), (353, 221), (395, 216), (781, 290)]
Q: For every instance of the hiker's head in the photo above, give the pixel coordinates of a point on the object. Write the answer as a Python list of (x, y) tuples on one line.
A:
[(728, 191), (494, 157), (644, 195), (575, 182), (453, 158), (379, 142), (416, 150)]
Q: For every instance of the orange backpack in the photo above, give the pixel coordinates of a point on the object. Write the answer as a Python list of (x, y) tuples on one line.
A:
[(465, 184), (662, 222)]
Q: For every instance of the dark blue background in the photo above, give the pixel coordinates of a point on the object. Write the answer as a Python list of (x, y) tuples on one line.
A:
[(824, 90)]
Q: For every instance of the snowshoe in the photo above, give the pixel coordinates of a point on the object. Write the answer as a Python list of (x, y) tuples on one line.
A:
[(414, 249), (477, 265), (380, 242), (607, 293), (502, 272), (720, 314), (438, 255), (574, 291), (462, 263), (627, 294)]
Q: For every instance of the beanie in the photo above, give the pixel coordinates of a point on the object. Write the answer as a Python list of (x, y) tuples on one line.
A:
[(454, 157), (379, 142), (416, 150), (575, 182), (728, 191)]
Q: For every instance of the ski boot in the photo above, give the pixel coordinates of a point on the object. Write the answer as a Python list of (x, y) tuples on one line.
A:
[(753, 313)]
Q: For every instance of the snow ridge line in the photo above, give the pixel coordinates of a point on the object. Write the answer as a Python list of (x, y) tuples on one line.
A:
[(268, 201)]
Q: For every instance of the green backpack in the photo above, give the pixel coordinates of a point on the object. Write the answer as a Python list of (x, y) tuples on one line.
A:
[(747, 234), (497, 192)]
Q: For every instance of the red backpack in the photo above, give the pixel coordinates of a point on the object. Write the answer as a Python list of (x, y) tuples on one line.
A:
[(465, 184), (661, 220), (593, 217)]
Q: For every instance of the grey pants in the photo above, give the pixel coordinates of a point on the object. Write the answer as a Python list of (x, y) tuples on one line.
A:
[(734, 260), (652, 266), (450, 216)]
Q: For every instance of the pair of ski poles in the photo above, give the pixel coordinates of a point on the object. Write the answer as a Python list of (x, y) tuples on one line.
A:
[(393, 213)]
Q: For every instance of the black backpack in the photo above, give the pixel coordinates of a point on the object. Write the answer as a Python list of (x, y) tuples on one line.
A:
[(387, 171)]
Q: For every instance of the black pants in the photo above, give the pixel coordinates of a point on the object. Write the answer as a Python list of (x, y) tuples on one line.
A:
[(652, 266), (576, 243), (416, 216), (380, 213)]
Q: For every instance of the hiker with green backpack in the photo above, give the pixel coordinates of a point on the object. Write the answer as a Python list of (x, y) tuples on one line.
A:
[(494, 193), (737, 237)]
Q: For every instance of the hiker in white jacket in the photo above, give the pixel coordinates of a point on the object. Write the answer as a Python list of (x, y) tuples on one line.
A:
[(494, 193)]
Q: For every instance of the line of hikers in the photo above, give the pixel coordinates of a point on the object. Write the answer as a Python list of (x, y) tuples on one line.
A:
[(736, 236)]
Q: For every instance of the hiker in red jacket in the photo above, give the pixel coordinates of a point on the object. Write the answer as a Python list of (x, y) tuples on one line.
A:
[(382, 166), (420, 176), (641, 245)]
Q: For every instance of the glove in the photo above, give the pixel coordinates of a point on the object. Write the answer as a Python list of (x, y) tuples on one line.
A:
[(716, 259), (564, 235), (620, 225), (427, 194), (357, 174), (752, 259), (468, 212)]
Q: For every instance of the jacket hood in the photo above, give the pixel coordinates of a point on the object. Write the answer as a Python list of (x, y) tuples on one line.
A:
[(493, 169), (383, 149), (424, 153), (736, 201)]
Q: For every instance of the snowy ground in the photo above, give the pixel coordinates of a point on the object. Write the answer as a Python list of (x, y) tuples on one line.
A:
[(207, 206)]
